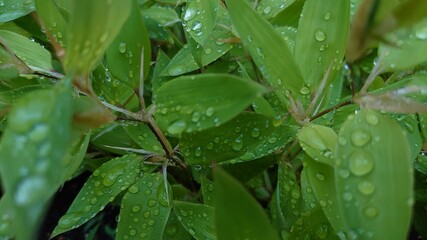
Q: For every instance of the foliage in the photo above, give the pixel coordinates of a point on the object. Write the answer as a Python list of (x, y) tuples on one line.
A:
[(209, 119)]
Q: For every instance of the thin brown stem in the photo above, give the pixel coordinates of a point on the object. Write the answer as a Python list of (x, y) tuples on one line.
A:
[(330, 110)]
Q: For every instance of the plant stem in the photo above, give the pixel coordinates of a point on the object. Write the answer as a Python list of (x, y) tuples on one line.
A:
[(330, 110)]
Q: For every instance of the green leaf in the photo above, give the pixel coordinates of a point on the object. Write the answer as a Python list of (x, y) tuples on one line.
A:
[(144, 137), (7, 215), (162, 62), (237, 214), (52, 20), (194, 103), (124, 54), (288, 195), (9, 98), (267, 48), (13, 9), (289, 16), (318, 142), (165, 16), (32, 153), (199, 19), (374, 175), (145, 209), (313, 225), (175, 230), (93, 26), (407, 54), (269, 8), (77, 154), (322, 39), (31, 53), (321, 178), (233, 139), (102, 187), (198, 219), (207, 187)]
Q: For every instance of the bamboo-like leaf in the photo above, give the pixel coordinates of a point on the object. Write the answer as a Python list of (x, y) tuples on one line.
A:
[(374, 176), (102, 187), (124, 54), (194, 103), (31, 53), (32, 153), (269, 8), (198, 219), (237, 214), (318, 142), (145, 209), (52, 20), (13, 9), (175, 230), (199, 19), (322, 39), (267, 48), (93, 26), (7, 215)]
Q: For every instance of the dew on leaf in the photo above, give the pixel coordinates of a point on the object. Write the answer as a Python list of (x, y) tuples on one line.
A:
[(210, 111), (177, 127), (371, 118), (122, 47), (360, 138), (70, 219), (255, 132), (320, 35), (370, 212), (237, 144), (366, 187), (360, 163), (30, 190), (133, 189), (198, 152)]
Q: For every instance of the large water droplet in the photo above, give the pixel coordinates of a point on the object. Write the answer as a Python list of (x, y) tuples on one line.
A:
[(304, 90), (360, 163), (177, 127), (133, 189), (327, 16), (237, 144), (189, 14), (371, 118), (209, 111), (176, 70), (70, 219), (366, 187), (255, 132), (320, 35), (197, 26), (267, 10), (112, 174), (370, 212), (195, 117), (122, 47), (360, 138)]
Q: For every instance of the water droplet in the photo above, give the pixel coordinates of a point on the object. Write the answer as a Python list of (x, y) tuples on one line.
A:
[(197, 26), (322, 231), (112, 174), (191, 231), (260, 53), (39, 133), (421, 31), (195, 117), (237, 144), (70, 219), (360, 163), (177, 127), (320, 35), (344, 173), (209, 111), (347, 196), (30, 190), (198, 152), (162, 196), (133, 189), (371, 118), (208, 51), (136, 208), (272, 140), (360, 138), (320, 176), (176, 70), (151, 203), (122, 47), (327, 16), (267, 10), (370, 212), (189, 14), (366, 187), (304, 90), (210, 146), (255, 133), (342, 140)]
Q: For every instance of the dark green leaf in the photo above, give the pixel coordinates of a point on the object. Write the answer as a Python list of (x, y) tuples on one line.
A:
[(199, 19), (145, 209), (32, 153), (198, 219), (7, 216), (175, 230), (237, 214), (144, 137), (194, 103)]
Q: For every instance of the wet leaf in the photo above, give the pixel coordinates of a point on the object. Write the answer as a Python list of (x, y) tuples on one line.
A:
[(31, 53), (194, 103), (32, 153), (105, 183), (144, 137), (198, 219), (145, 209), (199, 19), (269, 8), (7, 216), (13, 9), (237, 214), (52, 20), (93, 26), (207, 187), (267, 48), (175, 230), (373, 165), (233, 139), (318, 142), (124, 54), (322, 31), (77, 154)]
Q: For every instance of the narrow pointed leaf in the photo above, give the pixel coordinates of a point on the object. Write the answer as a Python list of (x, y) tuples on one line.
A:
[(267, 48), (175, 230), (7, 215), (237, 214), (32, 153), (374, 176), (198, 219), (269, 8), (318, 142), (144, 137), (124, 54), (13, 9), (105, 183), (194, 103), (31, 53), (322, 32), (52, 20), (199, 19), (145, 209), (93, 26)]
